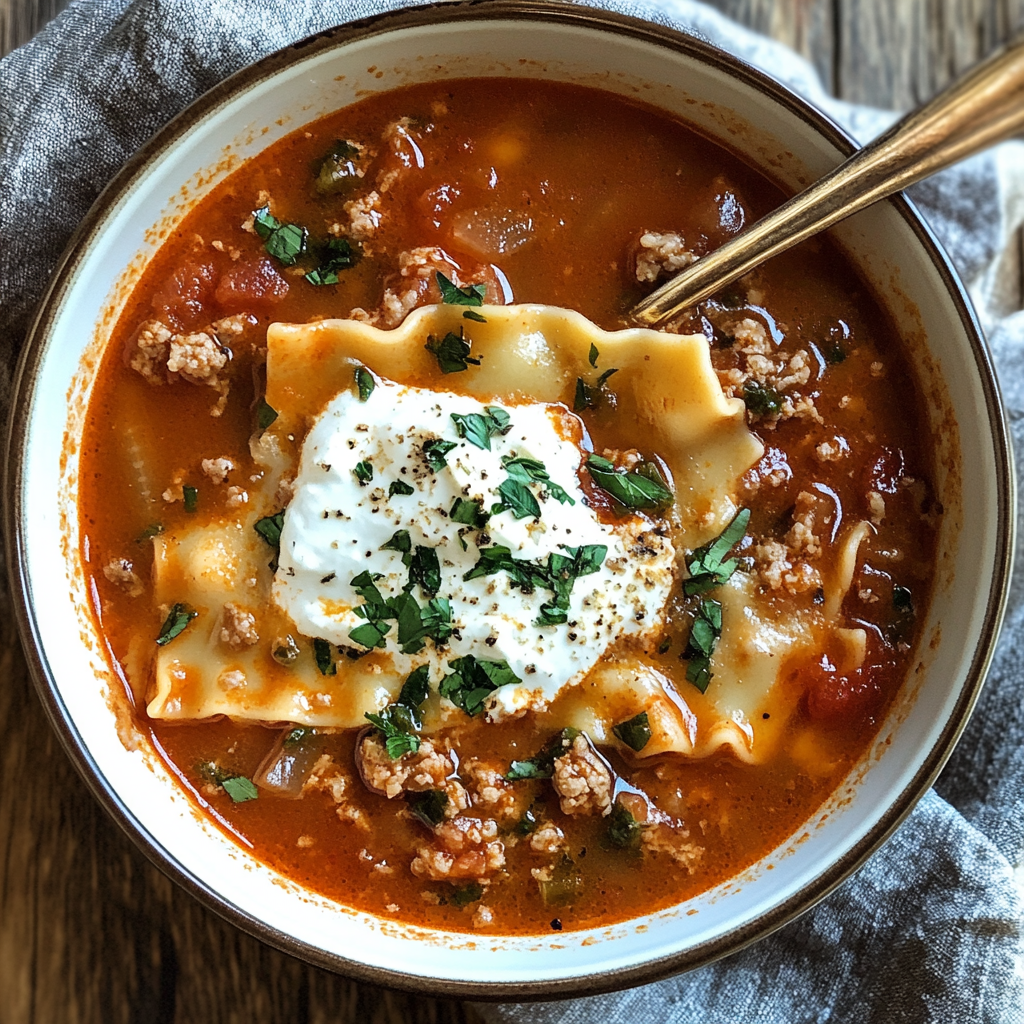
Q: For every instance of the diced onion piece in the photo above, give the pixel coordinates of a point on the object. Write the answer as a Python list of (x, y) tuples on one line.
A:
[(492, 231), (286, 768)]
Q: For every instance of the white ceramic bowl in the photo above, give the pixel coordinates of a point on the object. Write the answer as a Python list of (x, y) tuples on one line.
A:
[(726, 100)]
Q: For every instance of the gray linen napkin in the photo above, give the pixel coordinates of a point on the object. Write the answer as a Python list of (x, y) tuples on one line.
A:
[(930, 928)]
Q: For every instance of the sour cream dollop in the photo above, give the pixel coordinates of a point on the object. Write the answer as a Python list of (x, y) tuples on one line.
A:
[(345, 509)]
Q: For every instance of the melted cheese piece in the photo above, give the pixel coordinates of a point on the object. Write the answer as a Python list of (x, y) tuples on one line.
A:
[(528, 354)]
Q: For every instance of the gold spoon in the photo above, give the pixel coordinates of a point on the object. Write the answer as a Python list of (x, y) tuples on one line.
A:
[(980, 109)]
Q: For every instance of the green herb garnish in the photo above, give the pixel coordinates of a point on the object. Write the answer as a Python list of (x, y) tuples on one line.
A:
[(270, 527), (364, 382), (399, 722), (760, 399), (338, 171), (323, 654), (704, 636), (463, 895), (399, 541), (285, 242), (153, 530), (240, 789), (708, 565), (265, 414), (336, 255), (479, 428), (469, 512), (472, 680), (190, 496), (452, 295), (399, 487), (364, 472), (425, 569), (588, 396), (452, 352), (593, 355), (542, 764), (429, 806), (436, 452), (527, 823), (177, 619), (641, 488), (624, 830), (635, 733), (516, 496), (472, 314)]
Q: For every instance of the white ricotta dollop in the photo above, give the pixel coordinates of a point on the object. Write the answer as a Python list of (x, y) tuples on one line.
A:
[(338, 520)]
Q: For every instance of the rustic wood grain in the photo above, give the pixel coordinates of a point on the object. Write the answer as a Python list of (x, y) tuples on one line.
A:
[(90, 932)]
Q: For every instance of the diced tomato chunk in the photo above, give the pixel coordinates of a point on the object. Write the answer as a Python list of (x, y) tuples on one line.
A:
[(836, 699), (251, 283), (184, 295)]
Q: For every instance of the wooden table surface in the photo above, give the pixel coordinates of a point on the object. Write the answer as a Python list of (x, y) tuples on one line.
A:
[(90, 932)]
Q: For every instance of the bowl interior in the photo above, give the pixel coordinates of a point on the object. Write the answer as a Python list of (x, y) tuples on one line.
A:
[(254, 110)]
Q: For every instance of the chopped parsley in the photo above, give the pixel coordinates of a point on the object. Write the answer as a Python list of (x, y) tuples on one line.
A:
[(415, 622), (365, 383), (526, 824), (285, 242), (760, 399), (451, 351), (472, 314), (589, 396), (425, 569), (593, 355), (338, 171), (469, 512), (479, 428), (364, 472), (463, 895), (153, 530), (265, 414), (516, 496), (174, 625), (399, 722), (190, 496), (429, 806), (708, 565), (238, 787), (296, 736), (472, 680), (704, 636), (335, 255), (324, 657), (640, 488), (542, 764), (399, 487), (436, 452), (558, 574), (452, 295), (399, 541), (270, 527), (635, 733), (623, 829)]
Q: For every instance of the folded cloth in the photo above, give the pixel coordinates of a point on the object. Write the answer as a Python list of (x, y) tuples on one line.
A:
[(930, 928)]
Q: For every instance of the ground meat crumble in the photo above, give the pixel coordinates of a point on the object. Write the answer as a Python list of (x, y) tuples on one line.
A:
[(582, 780)]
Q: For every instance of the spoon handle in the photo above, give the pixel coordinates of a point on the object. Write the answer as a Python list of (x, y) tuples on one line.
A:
[(983, 107)]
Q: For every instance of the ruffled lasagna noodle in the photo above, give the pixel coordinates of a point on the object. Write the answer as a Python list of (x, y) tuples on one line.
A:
[(528, 354)]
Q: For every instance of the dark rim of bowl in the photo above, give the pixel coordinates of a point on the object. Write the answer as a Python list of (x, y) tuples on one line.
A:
[(35, 346)]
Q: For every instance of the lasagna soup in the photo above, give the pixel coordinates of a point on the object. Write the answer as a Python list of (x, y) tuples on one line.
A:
[(455, 596)]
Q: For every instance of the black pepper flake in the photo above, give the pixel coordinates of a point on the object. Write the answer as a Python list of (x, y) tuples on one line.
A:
[(572, 636), (556, 925), (330, 576), (766, 715), (491, 641)]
